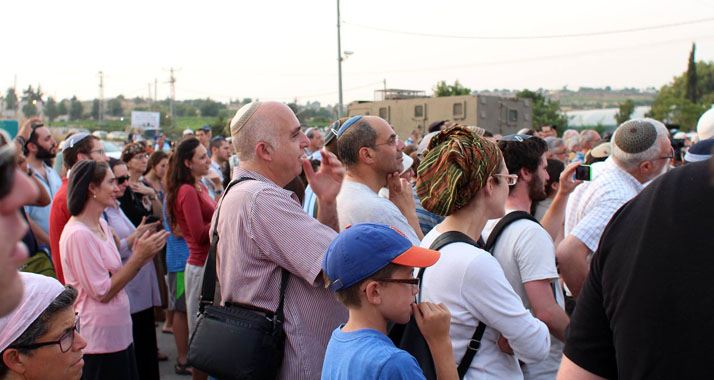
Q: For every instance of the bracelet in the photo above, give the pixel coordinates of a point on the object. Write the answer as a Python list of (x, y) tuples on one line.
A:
[(21, 140)]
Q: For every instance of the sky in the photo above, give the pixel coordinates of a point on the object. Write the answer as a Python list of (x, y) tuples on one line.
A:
[(287, 50)]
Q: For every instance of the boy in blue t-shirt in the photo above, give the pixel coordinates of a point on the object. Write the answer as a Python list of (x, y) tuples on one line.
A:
[(370, 267)]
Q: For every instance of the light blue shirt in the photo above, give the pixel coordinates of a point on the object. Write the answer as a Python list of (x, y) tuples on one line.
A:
[(52, 183), (367, 354)]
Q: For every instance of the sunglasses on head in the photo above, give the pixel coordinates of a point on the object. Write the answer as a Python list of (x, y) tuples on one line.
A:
[(7, 163)]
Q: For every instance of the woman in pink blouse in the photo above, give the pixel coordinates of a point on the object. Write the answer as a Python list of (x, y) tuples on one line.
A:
[(190, 208), (93, 266)]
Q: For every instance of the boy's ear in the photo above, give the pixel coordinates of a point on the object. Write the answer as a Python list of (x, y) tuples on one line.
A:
[(372, 292)]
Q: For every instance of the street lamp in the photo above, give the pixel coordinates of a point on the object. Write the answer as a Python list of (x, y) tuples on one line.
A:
[(339, 61)]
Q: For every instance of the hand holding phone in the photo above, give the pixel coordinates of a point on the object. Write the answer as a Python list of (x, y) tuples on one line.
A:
[(583, 173)]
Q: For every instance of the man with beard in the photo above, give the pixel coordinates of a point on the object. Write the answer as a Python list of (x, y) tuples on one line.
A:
[(641, 151), (372, 154), (525, 249), (41, 146)]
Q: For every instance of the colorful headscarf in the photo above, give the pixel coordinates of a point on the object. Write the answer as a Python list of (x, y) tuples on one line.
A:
[(455, 166)]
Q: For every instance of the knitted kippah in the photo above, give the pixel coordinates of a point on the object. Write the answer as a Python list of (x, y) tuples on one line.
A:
[(635, 136), (242, 116)]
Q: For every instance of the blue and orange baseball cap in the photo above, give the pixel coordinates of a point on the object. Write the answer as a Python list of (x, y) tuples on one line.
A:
[(363, 249)]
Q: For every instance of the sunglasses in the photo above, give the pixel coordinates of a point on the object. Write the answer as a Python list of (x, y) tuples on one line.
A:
[(337, 129), (511, 179), (7, 164), (122, 179), (66, 341), (415, 282)]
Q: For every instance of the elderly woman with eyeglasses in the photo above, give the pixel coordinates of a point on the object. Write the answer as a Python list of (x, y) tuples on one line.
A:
[(40, 339), (92, 264), (139, 199)]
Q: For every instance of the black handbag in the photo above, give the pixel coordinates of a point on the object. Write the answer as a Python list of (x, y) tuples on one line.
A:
[(236, 342)]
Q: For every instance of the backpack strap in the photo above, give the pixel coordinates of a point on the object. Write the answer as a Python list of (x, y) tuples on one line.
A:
[(503, 223), (475, 343)]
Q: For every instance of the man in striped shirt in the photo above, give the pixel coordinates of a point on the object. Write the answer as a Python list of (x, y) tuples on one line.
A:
[(263, 230)]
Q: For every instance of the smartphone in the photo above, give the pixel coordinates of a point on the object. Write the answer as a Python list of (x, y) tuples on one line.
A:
[(583, 173)]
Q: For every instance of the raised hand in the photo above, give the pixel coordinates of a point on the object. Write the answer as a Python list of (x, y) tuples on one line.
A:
[(326, 183)]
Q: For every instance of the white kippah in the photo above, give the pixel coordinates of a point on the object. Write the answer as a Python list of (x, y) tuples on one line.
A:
[(243, 115), (705, 126)]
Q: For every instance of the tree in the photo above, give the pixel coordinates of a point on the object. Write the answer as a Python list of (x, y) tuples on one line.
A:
[(31, 97), (625, 111), (672, 104), (691, 85), (545, 111), (95, 109), (10, 99), (75, 108), (29, 109), (62, 107), (443, 89), (115, 107), (51, 109), (210, 108)]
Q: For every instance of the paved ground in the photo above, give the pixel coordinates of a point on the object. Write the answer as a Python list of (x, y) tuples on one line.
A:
[(167, 345)]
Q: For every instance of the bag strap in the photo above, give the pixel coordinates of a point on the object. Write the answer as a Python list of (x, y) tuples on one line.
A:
[(208, 287), (475, 343), (503, 223)]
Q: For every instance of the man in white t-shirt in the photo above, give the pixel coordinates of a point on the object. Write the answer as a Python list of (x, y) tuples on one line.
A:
[(372, 154), (525, 250)]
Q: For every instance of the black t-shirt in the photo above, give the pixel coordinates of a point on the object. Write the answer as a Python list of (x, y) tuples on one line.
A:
[(133, 206), (646, 310)]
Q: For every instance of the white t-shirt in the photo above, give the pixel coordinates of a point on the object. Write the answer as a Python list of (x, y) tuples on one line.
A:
[(357, 203), (526, 253), (471, 283)]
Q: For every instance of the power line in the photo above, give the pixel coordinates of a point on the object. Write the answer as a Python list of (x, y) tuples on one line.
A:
[(283, 97), (536, 37)]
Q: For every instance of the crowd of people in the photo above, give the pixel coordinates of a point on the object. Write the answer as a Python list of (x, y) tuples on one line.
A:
[(510, 265)]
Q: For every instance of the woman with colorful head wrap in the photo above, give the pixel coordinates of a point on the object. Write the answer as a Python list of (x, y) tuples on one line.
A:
[(464, 177)]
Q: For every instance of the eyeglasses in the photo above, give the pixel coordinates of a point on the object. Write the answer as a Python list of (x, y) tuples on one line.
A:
[(394, 140), (141, 156), (66, 341), (516, 137), (414, 282), (122, 179), (336, 130), (511, 179), (7, 164), (100, 151)]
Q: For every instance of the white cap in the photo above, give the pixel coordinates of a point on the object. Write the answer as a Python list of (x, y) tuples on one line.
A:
[(705, 126), (187, 132)]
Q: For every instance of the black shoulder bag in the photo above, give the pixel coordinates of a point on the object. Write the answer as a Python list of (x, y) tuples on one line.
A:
[(412, 339), (236, 342)]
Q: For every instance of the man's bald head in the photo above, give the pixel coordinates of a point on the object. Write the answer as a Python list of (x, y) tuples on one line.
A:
[(259, 121)]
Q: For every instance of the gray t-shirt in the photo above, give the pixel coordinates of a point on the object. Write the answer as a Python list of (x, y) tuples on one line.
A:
[(357, 203)]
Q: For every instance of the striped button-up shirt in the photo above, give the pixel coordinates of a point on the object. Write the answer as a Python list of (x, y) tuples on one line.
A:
[(263, 228), (592, 204)]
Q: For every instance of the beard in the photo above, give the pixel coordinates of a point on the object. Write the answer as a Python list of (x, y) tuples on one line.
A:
[(536, 189), (43, 153)]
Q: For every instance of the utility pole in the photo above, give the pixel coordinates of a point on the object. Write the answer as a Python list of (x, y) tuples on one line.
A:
[(339, 60), (101, 98), (172, 99), (384, 96), (156, 84), (151, 104)]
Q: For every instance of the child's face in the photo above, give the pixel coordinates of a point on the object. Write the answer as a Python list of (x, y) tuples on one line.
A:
[(398, 297)]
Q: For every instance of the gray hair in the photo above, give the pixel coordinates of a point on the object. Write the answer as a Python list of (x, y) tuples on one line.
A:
[(587, 135), (630, 161), (572, 142), (554, 143)]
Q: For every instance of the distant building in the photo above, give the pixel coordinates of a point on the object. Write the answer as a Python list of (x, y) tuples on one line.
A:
[(603, 117), (408, 110)]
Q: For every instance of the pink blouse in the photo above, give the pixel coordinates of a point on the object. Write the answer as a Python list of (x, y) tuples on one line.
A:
[(88, 263)]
